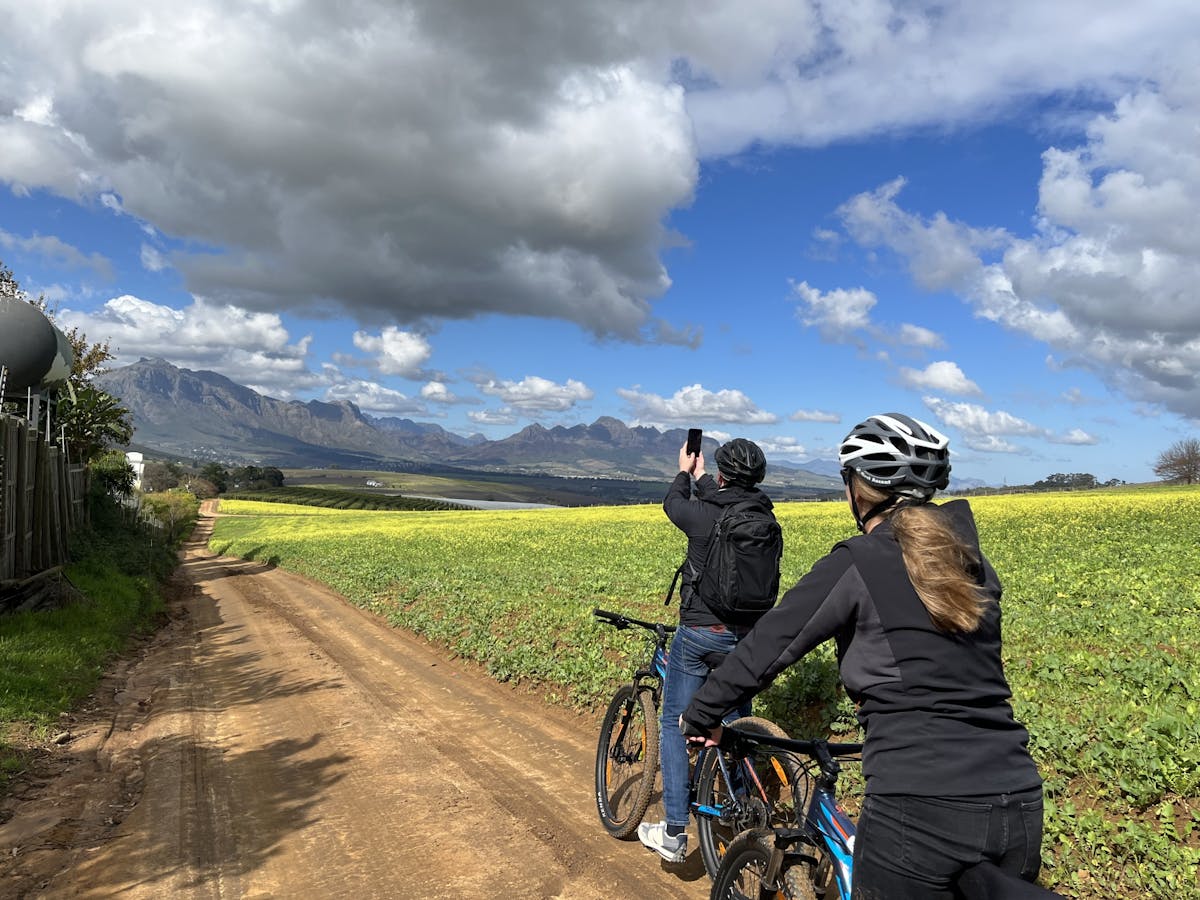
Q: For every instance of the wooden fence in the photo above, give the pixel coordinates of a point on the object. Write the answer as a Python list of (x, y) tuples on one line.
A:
[(42, 500)]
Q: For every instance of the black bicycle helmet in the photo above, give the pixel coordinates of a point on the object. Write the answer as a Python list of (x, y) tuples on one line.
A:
[(899, 454), (741, 462)]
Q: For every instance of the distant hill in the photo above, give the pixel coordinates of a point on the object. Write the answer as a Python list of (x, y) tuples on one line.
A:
[(205, 416)]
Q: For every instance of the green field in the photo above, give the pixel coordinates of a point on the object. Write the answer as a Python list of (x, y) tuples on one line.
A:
[(1101, 616)]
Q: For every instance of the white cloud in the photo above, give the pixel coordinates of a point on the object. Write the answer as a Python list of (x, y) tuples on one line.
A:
[(492, 417), (438, 392), (1109, 279), (396, 352), (783, 446), (375, 398), (693, 404), (514, 187), (251, 348), (815, 415), (535, 394), (837, 313), (942, 375), (972, 418), (916, 336), (982, 429), (989, 443), (1076, 437)]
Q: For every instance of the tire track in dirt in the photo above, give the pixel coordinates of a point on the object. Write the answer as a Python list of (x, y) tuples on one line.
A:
[(274, 741)]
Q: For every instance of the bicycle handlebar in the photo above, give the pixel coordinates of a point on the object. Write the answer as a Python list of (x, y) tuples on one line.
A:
[(808, 748), (621, 622)]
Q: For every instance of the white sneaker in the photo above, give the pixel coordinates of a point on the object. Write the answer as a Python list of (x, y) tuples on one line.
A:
[(654, 836)]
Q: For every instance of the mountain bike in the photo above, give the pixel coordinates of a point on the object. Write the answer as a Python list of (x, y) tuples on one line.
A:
[(812, 858), (809, 858), (627, 753), (730, 790)]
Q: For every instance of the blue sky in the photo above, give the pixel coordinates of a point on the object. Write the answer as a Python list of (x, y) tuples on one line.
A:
[(768, 219)]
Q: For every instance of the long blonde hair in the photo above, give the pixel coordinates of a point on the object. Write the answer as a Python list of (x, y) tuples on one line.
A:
[(939, 563)]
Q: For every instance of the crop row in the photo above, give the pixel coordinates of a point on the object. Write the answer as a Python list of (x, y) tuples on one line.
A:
[(1101, 608)]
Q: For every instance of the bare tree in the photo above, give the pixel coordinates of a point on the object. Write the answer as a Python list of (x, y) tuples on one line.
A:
[(1180, 462)]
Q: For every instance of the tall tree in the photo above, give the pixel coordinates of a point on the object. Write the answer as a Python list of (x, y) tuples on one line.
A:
[(1180, 462)]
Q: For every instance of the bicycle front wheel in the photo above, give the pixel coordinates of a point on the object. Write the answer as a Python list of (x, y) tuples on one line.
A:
[(743, 870), (761, 795), (626, 760)]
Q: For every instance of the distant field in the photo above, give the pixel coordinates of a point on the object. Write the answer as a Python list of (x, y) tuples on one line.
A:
[(1101, 613)]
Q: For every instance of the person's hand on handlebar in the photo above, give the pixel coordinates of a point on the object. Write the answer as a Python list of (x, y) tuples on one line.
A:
[(697, 736)]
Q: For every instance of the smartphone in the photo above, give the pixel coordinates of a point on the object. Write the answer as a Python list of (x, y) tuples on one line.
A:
[(693, 441)]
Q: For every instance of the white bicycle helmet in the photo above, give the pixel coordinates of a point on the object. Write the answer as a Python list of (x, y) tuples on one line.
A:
[(899, 454)]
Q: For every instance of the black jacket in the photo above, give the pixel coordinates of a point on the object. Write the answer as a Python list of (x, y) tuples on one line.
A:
[(934, 707), (695, 517)]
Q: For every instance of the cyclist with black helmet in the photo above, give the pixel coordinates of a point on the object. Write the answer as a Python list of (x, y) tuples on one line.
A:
[(914, 607), (701, 636)]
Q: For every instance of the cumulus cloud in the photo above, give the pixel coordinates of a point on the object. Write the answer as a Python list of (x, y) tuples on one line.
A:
[(815, 415), (970, 417), (438, 392), (251, 348), (395, 352), (693, 404), (783, 446), (942, 375), (1109, 277), (1076, 437), (843, 315), (375, 398), (534, 394), (916, 336), (986, 430), (836, 314), (514, 187), (492, 417)]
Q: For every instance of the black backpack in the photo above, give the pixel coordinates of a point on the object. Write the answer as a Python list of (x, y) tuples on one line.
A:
[(740, 578)]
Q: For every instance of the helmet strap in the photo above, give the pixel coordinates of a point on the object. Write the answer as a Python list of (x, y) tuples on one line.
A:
[(880, 507)]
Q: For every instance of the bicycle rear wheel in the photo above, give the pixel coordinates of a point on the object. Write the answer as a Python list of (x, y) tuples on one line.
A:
[(744, 866), (761, 796), (626, 760)]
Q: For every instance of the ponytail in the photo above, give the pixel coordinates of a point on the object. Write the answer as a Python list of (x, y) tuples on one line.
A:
[(939, 563)]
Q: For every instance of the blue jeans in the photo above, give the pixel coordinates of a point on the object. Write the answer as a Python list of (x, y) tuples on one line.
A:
[(915, 847), (686, 671)]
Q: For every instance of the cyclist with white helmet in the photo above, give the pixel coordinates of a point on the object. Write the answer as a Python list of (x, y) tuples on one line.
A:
[(914, 607)]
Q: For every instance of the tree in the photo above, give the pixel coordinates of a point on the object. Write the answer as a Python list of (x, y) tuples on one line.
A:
[(112, 474), (1180, 462), (217, 474)]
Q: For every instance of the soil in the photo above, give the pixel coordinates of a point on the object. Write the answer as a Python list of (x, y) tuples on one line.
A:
[(271, 740)]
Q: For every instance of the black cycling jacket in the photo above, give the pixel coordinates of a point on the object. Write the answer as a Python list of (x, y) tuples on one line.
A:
[(934, 707), (695, 517)]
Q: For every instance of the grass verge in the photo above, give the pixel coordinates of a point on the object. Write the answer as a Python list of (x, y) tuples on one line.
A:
[(50, 660)]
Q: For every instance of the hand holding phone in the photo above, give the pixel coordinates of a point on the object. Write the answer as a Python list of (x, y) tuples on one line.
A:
[(693, 441)]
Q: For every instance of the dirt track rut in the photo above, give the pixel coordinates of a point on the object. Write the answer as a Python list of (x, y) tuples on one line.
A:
[(274, 741)]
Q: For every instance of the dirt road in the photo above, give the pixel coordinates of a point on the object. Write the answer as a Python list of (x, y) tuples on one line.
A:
[(273, 741)]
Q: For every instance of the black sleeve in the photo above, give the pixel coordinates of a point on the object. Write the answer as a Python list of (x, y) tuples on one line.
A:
[(693, 518), (809, 614)]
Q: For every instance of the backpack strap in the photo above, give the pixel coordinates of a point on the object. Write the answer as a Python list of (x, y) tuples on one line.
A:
[(674, 581)]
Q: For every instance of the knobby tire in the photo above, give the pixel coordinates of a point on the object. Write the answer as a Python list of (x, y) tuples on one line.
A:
[(741, 872), (626, 760), (778, 773)]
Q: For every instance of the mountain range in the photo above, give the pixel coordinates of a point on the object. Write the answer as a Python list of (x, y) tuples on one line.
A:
[(203, 416)]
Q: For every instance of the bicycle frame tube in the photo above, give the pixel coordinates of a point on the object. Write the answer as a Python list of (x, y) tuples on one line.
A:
[(827, 818)]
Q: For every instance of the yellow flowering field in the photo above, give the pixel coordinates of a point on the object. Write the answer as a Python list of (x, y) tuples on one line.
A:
[(1101, 615)]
